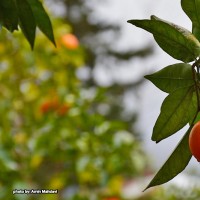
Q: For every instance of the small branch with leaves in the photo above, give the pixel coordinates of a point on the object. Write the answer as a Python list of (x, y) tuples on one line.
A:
[(182, 83)]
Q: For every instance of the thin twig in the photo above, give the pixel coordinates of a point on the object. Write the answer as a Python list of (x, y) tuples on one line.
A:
[(195, 116), (195, 78)]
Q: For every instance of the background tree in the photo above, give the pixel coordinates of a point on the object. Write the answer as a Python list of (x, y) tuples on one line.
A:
[(77, 131), (52, 129), (93, 32), (60, 131)]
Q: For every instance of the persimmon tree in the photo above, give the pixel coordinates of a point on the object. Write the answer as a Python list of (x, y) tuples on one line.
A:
[(182, 83), (52, 126)]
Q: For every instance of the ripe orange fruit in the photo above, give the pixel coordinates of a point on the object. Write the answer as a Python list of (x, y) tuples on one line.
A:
[(49, 105), (111, 198), (63, 109), (70, 41), (54, 103), (194, 141), (45, 107)]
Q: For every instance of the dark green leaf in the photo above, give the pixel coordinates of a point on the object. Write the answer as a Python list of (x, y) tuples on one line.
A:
[(175, 164), (193, 107), (175, 40), (191, 8), (8, 15), (196, 31), (42, 19), (172, 77), (176, 111), (27, 20)]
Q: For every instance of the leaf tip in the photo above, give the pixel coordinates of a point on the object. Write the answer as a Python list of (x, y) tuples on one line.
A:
[(54, 43), (32, 46), (146, 77), (153, 17), (145, 188), (155, 140)]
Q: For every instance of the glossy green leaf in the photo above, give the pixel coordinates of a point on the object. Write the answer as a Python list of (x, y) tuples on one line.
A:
[(175, 164), (176, 111), (42, 19), (172, 77), (27, 20), (191, 8), (178, 42), (8, 15)]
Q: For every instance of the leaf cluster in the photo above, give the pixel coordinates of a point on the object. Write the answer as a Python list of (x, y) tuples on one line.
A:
[(181, 81), (26, 14)]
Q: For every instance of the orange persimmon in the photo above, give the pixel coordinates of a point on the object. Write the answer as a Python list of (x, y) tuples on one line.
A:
[(49, 105), (194, 141), (63, 109), (70, 41)]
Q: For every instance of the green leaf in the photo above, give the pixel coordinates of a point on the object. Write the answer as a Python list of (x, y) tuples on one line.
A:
[(196, 31), (8, 15), (178, 42), (27, 20), (42, 19), (172, 77), (176, 111), (192, 122), (191, 8), (175, 164)]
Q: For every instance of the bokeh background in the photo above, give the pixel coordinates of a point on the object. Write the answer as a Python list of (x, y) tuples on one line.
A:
[(78, 118)]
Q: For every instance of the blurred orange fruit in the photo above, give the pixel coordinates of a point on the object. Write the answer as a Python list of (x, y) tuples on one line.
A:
[(54, 103), (45, 107), (63, 109), (111, 198), (49, 105), (70, 41)]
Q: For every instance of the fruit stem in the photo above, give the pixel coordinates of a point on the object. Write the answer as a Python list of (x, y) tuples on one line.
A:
[(196, 80), (194, 118)]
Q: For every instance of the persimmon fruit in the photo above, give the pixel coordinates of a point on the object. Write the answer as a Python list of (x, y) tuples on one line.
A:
[(45, 107), (194, 141), (70, 41), (111, 198), (63, 109), (49, 105)]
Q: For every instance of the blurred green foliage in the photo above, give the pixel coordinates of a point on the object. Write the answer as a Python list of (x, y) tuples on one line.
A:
[(60, 132), (52, 132)]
